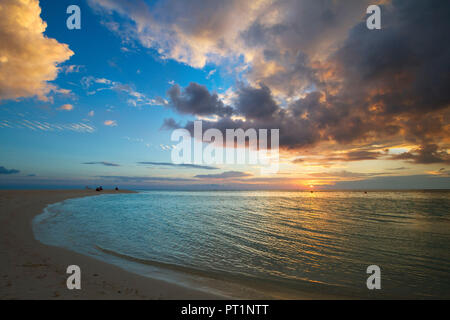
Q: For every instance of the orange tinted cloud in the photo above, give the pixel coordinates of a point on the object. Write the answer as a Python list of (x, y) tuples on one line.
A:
[(28, 59), (66, 107), (110, 123)]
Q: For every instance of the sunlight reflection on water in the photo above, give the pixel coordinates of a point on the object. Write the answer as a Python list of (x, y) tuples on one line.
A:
[(295, 240)]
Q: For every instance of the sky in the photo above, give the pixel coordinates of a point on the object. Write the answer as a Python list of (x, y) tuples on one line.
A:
[(355, 108)]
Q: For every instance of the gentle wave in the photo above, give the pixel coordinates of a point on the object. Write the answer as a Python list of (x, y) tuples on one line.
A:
[(285, 241), (158, 264)]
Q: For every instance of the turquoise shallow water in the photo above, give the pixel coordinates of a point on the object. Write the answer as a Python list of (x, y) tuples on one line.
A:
[(280, 242)]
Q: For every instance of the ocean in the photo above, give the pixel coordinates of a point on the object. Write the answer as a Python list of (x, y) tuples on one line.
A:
[(282, 245)]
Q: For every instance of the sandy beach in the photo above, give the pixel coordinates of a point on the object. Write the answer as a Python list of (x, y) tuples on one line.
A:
[(32, 270)]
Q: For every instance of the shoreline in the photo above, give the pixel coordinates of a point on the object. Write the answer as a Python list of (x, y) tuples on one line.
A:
[(32, 270), (37, 271)]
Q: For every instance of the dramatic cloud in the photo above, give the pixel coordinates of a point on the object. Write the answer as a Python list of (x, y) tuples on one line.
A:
[(348, 156), (219, 30), (378, 86), (256, 103), (28, 59), (211, 32), (309, 68), (196, 99), (3, 170), (182, 165), (425, 155), (108, 164)]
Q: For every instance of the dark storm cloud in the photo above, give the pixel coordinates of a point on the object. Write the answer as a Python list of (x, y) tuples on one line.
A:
[(304, 23), (3, 170), (410, 56), (307, 28), (324, 76), (385, 84), (403, 69), (378, 85), (256, 103), (362, 155), (262, 112), (196, 99), (425, 155)]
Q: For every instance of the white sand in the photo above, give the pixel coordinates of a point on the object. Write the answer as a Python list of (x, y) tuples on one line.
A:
[(32, 270)]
